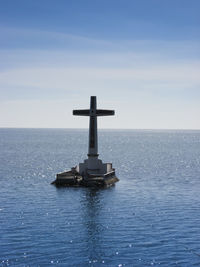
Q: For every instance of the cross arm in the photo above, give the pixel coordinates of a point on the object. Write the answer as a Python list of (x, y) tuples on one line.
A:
[(81, 112), (104, 112)]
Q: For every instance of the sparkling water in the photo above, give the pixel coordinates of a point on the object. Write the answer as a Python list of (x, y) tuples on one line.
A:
[(150, 218)]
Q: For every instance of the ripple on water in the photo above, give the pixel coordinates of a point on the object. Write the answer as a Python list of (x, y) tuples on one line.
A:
[(150, 218)]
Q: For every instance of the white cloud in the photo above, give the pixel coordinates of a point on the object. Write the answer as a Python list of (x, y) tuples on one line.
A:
[(68, 79), (151, 84), (56, 42)]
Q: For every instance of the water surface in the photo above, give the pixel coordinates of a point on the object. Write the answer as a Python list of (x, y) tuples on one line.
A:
[(150, 218)]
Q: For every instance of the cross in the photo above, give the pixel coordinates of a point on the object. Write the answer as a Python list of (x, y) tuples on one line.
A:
[(93, 112)]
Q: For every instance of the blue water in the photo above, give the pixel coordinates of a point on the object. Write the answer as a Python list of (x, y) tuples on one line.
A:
[(150, 218)]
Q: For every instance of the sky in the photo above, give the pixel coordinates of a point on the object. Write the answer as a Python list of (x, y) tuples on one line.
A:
[(139, 57)]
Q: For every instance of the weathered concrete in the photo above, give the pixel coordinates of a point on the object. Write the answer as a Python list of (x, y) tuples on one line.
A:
[(72, 178)]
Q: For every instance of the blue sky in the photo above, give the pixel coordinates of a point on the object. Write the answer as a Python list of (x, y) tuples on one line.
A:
[(141, 58)]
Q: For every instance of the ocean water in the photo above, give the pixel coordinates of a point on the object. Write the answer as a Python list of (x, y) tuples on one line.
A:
[(150, 218)]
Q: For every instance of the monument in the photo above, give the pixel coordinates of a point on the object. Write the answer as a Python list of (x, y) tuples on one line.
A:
[(92, 172)]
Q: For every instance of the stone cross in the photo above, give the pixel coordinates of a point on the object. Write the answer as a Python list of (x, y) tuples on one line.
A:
[(93, 112)]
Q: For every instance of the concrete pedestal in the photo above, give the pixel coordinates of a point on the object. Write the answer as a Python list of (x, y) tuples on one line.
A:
[(74, 178)]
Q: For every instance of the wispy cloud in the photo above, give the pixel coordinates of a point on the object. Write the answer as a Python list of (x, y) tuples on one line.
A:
[(183, 75), (22, 38), (41, 70), (34, 38)]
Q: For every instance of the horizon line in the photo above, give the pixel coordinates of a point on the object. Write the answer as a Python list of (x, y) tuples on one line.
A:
[(118, 129)]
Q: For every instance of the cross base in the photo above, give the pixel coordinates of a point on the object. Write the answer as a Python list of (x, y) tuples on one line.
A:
[(92, 179)]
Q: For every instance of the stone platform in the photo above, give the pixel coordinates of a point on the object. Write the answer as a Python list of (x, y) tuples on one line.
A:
[(74, 179)]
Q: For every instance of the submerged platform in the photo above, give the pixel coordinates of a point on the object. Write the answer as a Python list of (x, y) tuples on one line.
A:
[(73, 178)]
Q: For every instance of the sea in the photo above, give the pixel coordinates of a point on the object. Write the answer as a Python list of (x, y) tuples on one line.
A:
[(151, 217)]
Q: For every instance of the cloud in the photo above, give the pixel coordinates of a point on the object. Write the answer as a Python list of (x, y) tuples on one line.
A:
[(16, 38), (35, 39), (155, 83), (184, 75)]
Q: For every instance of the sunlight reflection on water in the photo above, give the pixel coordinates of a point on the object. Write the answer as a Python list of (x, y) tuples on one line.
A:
[(151, 217)]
